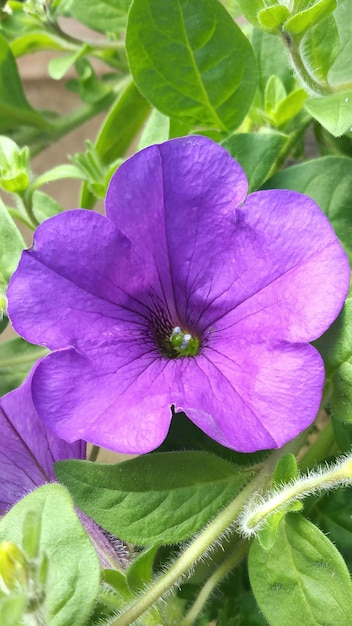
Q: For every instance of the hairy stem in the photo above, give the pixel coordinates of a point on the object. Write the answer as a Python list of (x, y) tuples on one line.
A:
[(231, 561), (207, 538)]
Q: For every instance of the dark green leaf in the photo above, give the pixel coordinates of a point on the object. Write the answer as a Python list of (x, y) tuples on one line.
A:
[(191, 61), (165, 497), (302, 576), (73, 565)]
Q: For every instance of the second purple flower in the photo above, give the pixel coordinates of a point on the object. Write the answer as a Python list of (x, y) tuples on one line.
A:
[(187, 294)]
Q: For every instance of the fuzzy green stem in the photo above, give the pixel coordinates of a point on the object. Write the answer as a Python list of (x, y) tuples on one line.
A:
[(226, 566), (293, 48), (208, 537), (256, 515)]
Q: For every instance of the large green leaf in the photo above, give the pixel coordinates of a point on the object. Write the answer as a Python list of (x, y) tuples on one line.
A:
[(320, 47), (163, 497), (191, 61), (341, 71), (302, 579), (72, 580)]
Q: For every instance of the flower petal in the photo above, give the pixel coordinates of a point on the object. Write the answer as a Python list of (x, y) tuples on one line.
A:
[(176, 203), (295, 273), (28, 449), (261, 399), (127, 411), (69, 288)]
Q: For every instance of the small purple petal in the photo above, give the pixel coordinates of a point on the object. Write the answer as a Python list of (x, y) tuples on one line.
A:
[(28, 449)]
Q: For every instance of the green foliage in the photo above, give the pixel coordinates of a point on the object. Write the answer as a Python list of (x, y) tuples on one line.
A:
[(333, 514), (333, 112), (159, 498), (105, 16), (16, 359), (62, 565), (256, 153), (302, 576), (193, 65)]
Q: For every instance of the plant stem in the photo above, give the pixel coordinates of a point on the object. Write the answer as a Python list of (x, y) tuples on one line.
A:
[(209, 536), (313, 86), (226, 566)]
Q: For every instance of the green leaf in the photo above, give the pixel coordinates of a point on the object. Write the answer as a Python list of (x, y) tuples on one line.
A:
[(73, 565), (162, 497), (60, 65), (106, 16), (16, 359), (274, 93), (340, 72), (328, 180), (192, 62), (120, 127), (44, 206), (257, 153), (302, 576), (251, 9), (319, 48), (304, 20), (156, 130), (343, 434), (333, 514), (273, 17), (335, 345), (286, 470), (333, 112), (271, 61), (141, 570), (14, 107), (11, 246)]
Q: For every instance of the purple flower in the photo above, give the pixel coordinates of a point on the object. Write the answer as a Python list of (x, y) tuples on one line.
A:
[(27, 453), (187, 294)]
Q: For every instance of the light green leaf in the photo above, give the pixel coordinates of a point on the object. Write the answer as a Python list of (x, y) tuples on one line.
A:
[(44, 206), (257, 153), (164, 497), (156, 130), (11, 246), (73, 565), (273, 17), (274, 93), (333, 112), (16, 359), (60, 65), (251, 9), (106, 16), (290, 107), (302, 576), (333, 514), (302, 21), (191, 61)]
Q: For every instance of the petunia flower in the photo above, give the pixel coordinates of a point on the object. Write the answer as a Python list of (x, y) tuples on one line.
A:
[(27, 454), (187, 295)]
